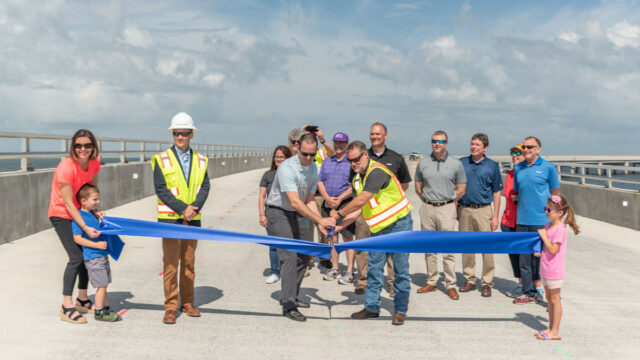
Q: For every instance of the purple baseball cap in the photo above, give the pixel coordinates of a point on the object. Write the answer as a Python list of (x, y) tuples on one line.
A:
[(340, 136)]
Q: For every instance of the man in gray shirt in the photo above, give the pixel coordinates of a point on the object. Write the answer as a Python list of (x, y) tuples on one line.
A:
[(440, 181), (290, 200)]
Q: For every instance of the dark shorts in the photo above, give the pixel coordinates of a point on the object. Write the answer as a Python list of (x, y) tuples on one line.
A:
[(350, 230), (99, 271)]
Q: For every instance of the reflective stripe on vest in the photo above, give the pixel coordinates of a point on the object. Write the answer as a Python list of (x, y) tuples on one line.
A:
[(385, 207), (166, 160), (176, 183)]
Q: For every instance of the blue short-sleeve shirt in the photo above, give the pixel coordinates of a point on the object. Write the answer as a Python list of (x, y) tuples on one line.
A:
[(91, 221), (291, 176), (534, 183), (483, 179)]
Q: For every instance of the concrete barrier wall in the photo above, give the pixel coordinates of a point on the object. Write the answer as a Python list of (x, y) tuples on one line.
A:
[(25, 196), (603, 204)]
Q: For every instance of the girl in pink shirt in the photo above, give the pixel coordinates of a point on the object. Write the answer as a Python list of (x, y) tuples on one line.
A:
[(554, 238)]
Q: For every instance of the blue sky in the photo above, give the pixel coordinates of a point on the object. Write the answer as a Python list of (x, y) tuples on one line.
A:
[(249, 71)]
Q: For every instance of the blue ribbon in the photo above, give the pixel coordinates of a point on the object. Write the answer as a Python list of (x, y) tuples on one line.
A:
[(470, 242)]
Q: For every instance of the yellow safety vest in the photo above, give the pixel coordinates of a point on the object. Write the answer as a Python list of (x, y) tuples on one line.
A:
[(385, 207), (320, 156), (176, 183)]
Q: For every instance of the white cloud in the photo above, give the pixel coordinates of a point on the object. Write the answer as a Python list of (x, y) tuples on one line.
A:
[(466, 92), (570, 37), (465, 9), (624, 34), (136, 36), (445, 47), (214, 80)]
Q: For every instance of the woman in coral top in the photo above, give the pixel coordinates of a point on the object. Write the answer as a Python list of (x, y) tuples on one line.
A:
[(79, 168)]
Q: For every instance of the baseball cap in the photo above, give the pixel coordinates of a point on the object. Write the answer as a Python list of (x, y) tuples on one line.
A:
[(516, 148), (340, 136)]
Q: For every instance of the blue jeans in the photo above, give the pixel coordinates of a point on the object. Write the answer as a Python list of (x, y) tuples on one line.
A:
[(529, 264), (377, 261), (274, 263), (273, 260)]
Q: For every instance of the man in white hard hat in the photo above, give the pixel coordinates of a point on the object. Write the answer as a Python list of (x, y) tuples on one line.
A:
[(182, 186)]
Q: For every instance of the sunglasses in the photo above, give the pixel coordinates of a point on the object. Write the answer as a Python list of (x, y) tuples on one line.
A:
[(530, 146), (356, 159), (550, 210), (294, 142), (516, 153), (183, 133), (438, 141), (306, 154), (87, 146)]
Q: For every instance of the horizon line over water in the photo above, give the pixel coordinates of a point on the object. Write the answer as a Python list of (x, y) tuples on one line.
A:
[(13, 165)]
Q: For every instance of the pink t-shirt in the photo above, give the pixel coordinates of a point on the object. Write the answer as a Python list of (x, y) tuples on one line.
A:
[(552, 266), (69, 172)]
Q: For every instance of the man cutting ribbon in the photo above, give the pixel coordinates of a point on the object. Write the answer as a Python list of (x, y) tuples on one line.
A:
[(386, 209)]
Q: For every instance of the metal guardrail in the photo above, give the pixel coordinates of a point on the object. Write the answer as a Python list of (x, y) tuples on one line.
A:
[(209, 150), (580, 172)]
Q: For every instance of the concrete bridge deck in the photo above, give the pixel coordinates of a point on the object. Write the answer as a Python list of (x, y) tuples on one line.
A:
[(242, 318)]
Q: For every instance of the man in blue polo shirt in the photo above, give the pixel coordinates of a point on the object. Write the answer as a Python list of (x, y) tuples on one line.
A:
[(535, 179), (484, 185)]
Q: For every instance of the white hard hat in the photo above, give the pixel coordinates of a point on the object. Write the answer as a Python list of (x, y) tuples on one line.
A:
[(182, 121)]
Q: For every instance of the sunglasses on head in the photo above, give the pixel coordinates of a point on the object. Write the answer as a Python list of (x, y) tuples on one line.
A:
[(356, 159), (530, 146), (87, 146), (516, 153), (433, 141), (183, 133), (550, 210), (306, 154)]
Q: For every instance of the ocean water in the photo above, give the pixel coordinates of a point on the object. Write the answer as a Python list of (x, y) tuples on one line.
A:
[(37, 164)]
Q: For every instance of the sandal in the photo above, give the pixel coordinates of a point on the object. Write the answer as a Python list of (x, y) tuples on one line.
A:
[(72, 315), (85, 306), (543, 335)]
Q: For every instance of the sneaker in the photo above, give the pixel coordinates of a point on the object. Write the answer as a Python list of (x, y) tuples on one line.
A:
[(346, 279), (332, 274), (540, 295), (105, 314), (515, 292), (524, 299), (272, 278)]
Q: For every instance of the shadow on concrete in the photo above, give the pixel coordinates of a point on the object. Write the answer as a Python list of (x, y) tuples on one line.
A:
[(204, 295), (311, 296)]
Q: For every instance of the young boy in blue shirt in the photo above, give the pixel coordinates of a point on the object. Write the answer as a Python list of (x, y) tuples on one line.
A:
[(94, 252)]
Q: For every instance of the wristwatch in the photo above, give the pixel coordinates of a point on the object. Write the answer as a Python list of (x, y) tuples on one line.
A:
[(323, 141), (340, 218)]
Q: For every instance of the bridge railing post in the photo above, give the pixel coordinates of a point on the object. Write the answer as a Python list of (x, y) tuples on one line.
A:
[(123, 149), (25, 162)]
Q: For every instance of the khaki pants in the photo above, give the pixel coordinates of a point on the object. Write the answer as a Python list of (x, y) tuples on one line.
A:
[(477, 220), (182, 252), (362, 257), (441, 218)]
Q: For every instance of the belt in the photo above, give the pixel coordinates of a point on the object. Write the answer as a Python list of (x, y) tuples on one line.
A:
[(474, 206), (438, 203), (279, 208)]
